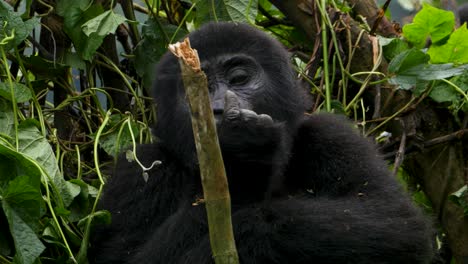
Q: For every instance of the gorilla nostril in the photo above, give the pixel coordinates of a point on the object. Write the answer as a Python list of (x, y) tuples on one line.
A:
[(218, 111)]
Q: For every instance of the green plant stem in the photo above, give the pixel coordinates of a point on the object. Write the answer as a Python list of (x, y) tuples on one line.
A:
[(367, 80), (326, 76), (391, 117), (129, 86), (48, 180), (134, 144), (84, 244), (458, 89), (34, 97), (182, 23), (78, 157)]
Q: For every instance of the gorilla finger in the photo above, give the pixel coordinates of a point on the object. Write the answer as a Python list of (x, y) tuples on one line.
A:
[(231, 101), (248, 115), (264, 120), (232, 114)]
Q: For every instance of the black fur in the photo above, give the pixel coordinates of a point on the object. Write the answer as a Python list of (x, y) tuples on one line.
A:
[(463, 14), (304, 189)]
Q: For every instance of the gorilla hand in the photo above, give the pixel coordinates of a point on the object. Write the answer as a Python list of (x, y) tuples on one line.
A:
[(244, 132), (233, 113)]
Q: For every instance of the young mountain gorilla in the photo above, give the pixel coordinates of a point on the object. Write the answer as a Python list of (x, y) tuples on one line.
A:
[(304, 189)]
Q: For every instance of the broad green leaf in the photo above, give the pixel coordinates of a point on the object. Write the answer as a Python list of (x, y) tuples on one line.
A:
[(104, 24), (211, 10), (393, 47), (226, 10), (430, 72), (429, 22), (21, 92), (73, 60), (410, 68), (444, 93), (75, 14), (14, 164), (156, 37), (242, 10), (35, 146), (426, 72), (7, 123), (406, 60), (22, 203), (461, 80), (70, 8), (455, 50), (83, 203), (14, 25), (27, 245)]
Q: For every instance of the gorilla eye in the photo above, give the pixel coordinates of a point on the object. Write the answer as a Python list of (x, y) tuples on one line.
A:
[(238, 77)]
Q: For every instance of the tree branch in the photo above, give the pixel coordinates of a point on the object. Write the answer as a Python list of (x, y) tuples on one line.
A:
[(212, 172)]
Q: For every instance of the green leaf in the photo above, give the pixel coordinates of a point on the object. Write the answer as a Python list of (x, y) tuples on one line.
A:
[(44, 69), (21, 92), (101, 217), (407, 60), (83, 203), (430, 72), (35, 146), (14, 24), (444, 93), (104, 24), (27, 244), (74, 61), (211, 10), (455, 50), (393, 47), (460, 198), (226, 10), (22, 202), (7, 121), (429, 22), (242, 10), (156, 37), (410, 68), (75, 14), (426, 72)]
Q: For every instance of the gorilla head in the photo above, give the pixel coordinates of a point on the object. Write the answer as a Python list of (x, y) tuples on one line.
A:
[(236, 58)]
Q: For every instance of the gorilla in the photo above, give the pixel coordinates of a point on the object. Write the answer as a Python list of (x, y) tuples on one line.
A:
[(304, 188), (463, 14)]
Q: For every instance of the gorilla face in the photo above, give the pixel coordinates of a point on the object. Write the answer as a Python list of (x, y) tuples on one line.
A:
[(240, 75), (250, 80)]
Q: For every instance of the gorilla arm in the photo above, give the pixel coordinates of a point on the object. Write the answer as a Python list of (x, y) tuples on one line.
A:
[(300, 230)]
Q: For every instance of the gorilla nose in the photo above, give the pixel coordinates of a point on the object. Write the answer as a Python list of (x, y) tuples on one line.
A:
[(218, 114), (218, 108), (218, 111)]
